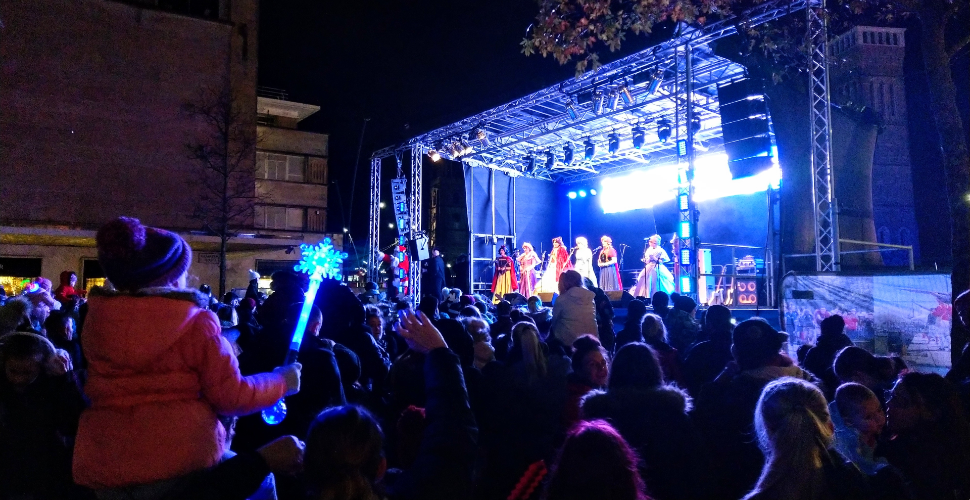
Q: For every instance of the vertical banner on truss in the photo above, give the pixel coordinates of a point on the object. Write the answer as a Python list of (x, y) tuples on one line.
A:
[(823, 186)]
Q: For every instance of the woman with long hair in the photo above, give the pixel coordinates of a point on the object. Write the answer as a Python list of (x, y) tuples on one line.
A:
[(795, 433), (503, 282), (654, 275), (528, 261), (595, 462), (655, 336), (609, 269), (584, 259), (558, 262)]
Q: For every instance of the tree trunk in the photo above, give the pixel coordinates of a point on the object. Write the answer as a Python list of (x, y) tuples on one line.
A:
[(956, 159)]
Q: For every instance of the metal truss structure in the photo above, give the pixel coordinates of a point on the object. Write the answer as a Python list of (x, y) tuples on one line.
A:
[(676, 80), (823, 185), (375, 217), (414, 204)]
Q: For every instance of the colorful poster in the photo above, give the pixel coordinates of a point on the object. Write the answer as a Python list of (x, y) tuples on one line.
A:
[(907, 315)]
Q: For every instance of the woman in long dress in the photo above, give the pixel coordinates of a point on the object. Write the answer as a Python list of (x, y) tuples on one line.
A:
[(527, 270), (504, 280), (584, 260), (655, 276), (558, 262), (609, 267)]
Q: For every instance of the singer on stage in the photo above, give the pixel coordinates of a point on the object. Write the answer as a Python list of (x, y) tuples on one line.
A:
[(558, 262), (527, 270), (609, 268), (655, 276), (584, 260), (504, 280)]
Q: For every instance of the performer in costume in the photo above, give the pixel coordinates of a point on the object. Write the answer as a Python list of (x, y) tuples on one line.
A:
[(655, 276), (584, 260), (609, 267), (504, 280), (527, 270), (558, 262)]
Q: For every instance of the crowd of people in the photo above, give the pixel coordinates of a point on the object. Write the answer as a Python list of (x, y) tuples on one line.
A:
[(148, 390)]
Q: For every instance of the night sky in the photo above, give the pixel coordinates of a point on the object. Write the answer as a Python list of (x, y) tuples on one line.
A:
[(412, 66)]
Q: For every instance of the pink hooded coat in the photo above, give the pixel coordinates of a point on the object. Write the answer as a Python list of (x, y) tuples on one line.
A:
[(159, 371)]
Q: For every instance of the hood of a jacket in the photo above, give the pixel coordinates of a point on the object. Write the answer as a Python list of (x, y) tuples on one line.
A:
[(666, 399), (769, 373), (130, 330)]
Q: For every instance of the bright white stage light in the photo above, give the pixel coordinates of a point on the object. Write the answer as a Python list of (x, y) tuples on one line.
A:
[(712, 180)]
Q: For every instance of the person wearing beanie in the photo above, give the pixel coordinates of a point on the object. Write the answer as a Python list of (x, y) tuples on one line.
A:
[(43, 303), (682, 328), (159, 370)]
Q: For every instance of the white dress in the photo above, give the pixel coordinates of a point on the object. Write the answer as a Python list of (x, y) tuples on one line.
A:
[(584, 264)]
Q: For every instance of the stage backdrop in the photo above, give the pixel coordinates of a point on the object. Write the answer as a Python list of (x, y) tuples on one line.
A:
[(906, 315), (532, 213)]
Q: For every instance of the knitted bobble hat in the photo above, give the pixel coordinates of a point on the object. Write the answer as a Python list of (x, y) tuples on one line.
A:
[(134, 256)]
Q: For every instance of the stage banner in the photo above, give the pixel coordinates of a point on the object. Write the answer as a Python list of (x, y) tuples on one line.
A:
[(906, 315)]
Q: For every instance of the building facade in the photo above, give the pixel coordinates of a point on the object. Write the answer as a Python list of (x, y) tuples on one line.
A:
[(94, 125), (869, 72)]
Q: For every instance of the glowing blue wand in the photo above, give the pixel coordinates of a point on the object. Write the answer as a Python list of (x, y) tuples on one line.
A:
[(319, 261)]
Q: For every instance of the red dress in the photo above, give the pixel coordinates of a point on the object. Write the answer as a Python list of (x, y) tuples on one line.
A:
[(499, 277)]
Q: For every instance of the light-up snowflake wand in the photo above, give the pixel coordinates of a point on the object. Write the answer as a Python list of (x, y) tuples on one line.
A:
[(319, 261)]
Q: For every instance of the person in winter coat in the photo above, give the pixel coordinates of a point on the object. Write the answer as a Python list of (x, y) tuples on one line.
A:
[(820, 358), (574, 313), (652, 417), (159, 370), (705, 360), (590, 370), (66, 293), (595, 462), (655, 336), (795, 434), (725, 407), (39, 409), (345, 458)]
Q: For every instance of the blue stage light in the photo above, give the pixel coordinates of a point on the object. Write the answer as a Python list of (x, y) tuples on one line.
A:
[(571, 110), (598, 101), (613, 142), (664, 130), (639, 136), (685, 257), (684, 230), (590, 148), (682, 147), (685, 284), (567, 151), (592, 192), (684, 201), (572, 195), (625, 95), (582, 193)]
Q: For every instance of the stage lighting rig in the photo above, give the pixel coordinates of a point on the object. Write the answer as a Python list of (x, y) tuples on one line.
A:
[(639, 136), (613, 142), (568, 152), (590, 148), (434, 155), (663, 130)]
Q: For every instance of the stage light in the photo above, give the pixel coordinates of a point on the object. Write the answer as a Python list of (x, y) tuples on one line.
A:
[(550, 159), (390, 226), (567, 151), (592, 192), (657, 79), (466, 148), (590, 148), (695, 124), (684, 202), (685, 284), (614, 142), (571, 110), (682, 147), (346, 230), (382, 204), (663, 130), (582, 193), (685, 256), (598, 101), (684, 229), (625, 95), (639, 136), (572, 195), (530, 164), (480, 134), (613, 100), (434, 155), (454, 150)]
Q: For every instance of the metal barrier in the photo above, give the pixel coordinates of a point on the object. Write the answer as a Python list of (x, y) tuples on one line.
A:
[(886, 247)]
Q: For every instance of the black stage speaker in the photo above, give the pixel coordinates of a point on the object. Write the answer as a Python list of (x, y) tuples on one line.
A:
[(418, 248), (666, 216), (620, 298), (745, 127)]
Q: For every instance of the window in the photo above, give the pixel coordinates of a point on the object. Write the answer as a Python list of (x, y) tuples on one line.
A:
[(286, 218), (280, 167), (881, 107)]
